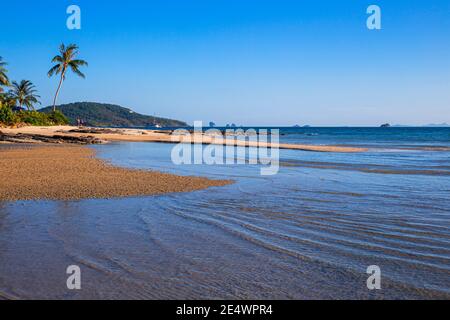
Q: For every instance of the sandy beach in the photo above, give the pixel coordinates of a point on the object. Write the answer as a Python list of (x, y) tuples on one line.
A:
[(72, 173), (138, 135), (60, 170)]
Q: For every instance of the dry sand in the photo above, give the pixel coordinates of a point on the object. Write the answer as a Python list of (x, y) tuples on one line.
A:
[(136, 135), (72, 172)]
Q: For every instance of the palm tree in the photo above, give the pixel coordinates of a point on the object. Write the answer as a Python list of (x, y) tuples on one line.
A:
[(24, 94), (64, 60), (3, 77)]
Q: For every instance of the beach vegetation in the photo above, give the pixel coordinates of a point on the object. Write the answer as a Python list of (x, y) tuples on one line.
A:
[(17, 105), (4, 81), (11, 115), (7, 116), (36, 118), (24, 94), (7, 100), (66, 61)]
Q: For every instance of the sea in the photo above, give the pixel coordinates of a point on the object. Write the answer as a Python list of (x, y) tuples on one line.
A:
[(314, 230)]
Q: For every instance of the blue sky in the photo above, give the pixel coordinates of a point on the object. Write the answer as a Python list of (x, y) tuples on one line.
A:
[(244, 61)]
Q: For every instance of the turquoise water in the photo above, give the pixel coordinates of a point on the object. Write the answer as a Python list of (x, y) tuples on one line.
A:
[(309, 232)]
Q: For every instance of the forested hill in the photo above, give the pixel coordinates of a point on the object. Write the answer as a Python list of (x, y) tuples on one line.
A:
[(109, 115)]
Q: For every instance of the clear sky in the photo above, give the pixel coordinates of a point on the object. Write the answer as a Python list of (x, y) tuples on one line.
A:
[(244, 61)]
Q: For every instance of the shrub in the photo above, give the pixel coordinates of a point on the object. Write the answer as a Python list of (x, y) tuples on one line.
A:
[(7, 116), (36, 118), (33, 118), (58, 118)]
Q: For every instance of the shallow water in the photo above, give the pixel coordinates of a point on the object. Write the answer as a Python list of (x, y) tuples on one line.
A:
[(309, 232)]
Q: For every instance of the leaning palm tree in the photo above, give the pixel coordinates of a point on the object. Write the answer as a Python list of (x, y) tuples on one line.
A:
[(64, 60), (3, 77), (24, 93)]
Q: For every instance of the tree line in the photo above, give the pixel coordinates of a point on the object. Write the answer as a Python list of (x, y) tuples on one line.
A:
[(15, 96)]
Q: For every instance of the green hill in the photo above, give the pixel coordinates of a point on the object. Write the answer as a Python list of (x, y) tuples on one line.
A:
[(109, 115)]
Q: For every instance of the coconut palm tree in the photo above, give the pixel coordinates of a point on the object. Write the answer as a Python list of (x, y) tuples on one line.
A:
[(24, 93), (66, 59), (3, 74)]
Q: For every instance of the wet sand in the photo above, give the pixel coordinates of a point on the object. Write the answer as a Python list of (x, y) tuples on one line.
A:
[(72, 173), (138, 135)]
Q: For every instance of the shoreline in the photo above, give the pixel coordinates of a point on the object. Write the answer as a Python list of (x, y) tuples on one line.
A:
[(63, 172), (104, 135)]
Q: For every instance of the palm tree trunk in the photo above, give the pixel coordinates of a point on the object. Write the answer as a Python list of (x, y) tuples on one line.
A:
[(57, 91)]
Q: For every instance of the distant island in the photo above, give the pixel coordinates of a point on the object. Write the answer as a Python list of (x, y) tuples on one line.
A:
[(109, 115)]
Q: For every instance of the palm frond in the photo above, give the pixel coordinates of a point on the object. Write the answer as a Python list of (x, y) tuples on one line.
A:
[(66, 59), (57, 59), (4, 81), (55, 70), (79, 63), (72, 47), (77, 71), (24, 93)]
